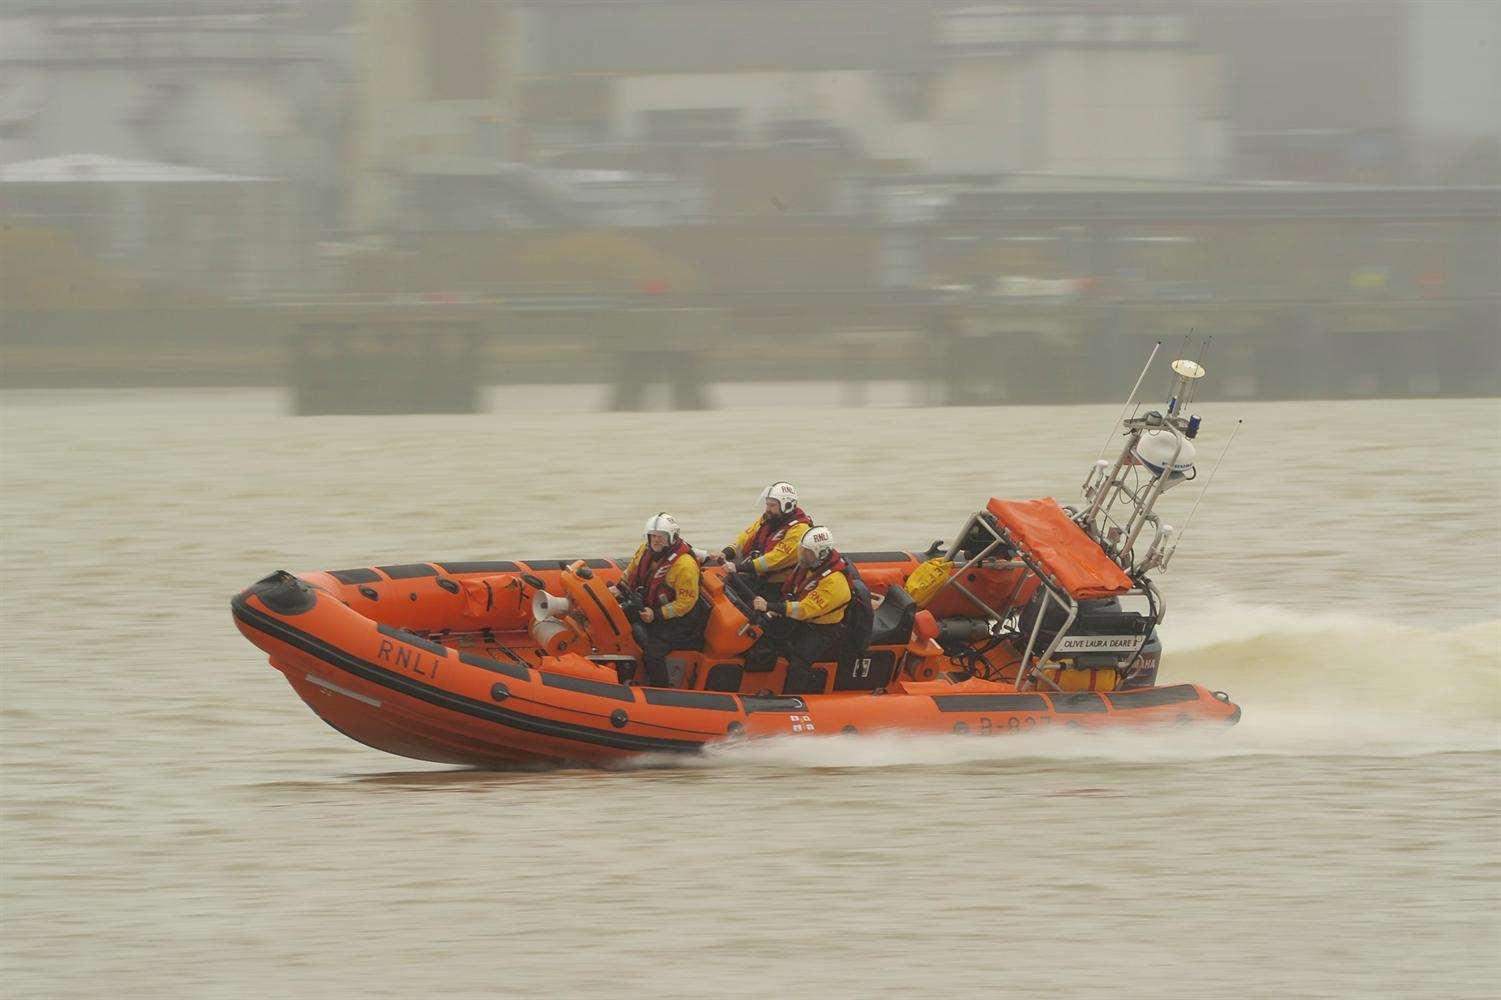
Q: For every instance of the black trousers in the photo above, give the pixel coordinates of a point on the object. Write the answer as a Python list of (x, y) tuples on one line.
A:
[(803, 644), (769, 589), (658, 637)]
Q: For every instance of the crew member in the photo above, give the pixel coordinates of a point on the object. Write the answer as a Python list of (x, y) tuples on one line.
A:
[(766, 552), (664, 579), (813, 600)]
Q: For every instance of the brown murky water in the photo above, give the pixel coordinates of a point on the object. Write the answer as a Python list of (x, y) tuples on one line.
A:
[(176, 824)]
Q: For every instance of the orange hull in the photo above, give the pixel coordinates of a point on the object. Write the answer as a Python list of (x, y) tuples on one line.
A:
[(475, 689)]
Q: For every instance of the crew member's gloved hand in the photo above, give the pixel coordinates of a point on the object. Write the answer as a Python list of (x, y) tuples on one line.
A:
[(646, 615), (759, 603), (746, 566)]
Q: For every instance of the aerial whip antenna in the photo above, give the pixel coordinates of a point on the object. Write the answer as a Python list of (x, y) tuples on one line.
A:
[(1182, 353), (1204, 349), (1195, 508), (1144, 369)]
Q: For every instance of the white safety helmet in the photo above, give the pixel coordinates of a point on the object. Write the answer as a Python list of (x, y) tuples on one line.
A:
[(817, 545), (785, 494), (662, 524)]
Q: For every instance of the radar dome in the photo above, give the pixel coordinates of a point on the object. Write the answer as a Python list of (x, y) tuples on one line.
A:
[(1155, 451)]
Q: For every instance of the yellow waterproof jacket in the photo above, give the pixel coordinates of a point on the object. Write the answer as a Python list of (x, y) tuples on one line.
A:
[(680, 590), (824, 603), (777, 563)]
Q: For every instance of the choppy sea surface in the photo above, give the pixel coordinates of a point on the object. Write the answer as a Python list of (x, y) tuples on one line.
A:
[(176, 824)]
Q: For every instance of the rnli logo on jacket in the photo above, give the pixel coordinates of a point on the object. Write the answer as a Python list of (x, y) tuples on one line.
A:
[(1100, 644)]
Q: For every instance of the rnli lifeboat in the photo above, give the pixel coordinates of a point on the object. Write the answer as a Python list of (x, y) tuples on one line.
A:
[(1036, 616)]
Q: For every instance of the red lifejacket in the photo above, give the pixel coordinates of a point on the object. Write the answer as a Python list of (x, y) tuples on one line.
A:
[(650, 578), (771, 532), (802, 581)]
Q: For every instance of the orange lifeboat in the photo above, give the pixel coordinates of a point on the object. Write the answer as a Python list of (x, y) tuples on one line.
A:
[(495, 663), (1034, 617)]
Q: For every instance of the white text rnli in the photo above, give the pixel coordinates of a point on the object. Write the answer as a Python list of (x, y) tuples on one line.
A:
[(1100, 644)]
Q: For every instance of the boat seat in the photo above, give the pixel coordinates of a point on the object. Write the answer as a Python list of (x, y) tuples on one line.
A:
[(893, 621), (871, 670), (816, 682), (724, 677)]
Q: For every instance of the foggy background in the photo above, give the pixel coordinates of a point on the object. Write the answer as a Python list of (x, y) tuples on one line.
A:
[(388, 205), (816, 217)]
